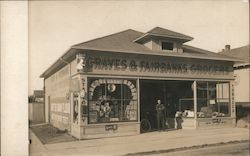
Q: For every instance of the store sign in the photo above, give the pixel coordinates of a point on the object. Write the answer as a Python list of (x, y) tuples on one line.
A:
[(233, 101), (111, 127), (104, 63), (98, 82)]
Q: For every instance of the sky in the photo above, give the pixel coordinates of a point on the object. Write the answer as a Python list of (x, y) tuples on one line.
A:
[(54, 26)]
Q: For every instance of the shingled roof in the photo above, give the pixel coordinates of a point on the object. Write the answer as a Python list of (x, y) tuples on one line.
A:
[(125, 42), (121, 41), (161, 32)]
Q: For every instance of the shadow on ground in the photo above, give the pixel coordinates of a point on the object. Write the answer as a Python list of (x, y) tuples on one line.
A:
[(48, 134)]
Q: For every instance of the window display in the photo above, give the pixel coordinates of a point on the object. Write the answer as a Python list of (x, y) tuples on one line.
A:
[(112, 100), (186, 108), (212, 99), (185, 100)]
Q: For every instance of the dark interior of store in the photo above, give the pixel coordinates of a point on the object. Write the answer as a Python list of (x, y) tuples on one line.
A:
[(169, 92)]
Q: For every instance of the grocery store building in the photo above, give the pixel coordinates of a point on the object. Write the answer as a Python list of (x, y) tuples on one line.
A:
[(106, 86)]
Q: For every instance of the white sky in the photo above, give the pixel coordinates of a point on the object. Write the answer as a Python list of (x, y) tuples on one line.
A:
[(56, 25)]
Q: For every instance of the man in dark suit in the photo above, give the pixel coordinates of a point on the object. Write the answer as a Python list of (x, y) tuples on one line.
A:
[(160, 109)]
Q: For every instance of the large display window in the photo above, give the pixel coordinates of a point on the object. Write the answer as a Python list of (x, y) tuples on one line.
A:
[(112, 100), (213, 99)]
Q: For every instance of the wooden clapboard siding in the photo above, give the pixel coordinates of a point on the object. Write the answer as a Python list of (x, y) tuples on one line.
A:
[(57, 87)]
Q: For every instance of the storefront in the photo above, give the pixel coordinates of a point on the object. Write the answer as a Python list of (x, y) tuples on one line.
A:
[(105, 87)]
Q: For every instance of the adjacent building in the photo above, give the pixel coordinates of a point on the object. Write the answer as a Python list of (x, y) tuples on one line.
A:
[(106, 86), (36, 107), (241, 73)]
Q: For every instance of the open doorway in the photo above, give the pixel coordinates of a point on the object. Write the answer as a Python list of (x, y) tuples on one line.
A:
[(170, 92)]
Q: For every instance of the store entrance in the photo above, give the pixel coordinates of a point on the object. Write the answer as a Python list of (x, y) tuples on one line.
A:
[(170, 92)]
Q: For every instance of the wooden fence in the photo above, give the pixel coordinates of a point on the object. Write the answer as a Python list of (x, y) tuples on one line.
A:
[(36, 112)]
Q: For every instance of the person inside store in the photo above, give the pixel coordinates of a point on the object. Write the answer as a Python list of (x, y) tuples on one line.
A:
[(104, 112), (178, 119), (170, 109), (107, 111), (160, 109)]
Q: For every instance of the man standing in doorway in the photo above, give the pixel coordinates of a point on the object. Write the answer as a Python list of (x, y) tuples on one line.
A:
[(160, 109)]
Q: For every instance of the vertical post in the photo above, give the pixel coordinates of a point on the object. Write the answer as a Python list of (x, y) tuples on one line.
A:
[(70, 100), (44, 95), (79, 116), (208, 98), (164, 93), (49, 109), (195, 99), (79, 107), (71, 108), (122, 102), (138, 103)]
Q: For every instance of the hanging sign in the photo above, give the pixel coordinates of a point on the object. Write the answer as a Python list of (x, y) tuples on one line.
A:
[(111, 87)]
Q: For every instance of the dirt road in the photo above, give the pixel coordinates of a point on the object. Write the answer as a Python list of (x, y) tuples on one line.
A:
[(230, 149)]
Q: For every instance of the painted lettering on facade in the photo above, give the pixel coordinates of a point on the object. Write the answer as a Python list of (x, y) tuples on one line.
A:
[(111, 127), (233, 102), (103, 63)]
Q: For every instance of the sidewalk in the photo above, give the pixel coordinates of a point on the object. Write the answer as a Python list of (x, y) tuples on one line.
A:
[(153, 141)]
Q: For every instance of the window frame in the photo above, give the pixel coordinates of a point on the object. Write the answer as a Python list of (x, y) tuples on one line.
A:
[(122, 98), (216, 99), (169, 42)]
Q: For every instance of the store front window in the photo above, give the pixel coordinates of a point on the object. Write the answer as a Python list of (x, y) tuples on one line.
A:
[(213, 99), (112, 100)]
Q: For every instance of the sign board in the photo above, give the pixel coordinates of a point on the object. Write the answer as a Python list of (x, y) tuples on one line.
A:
[(111, 127), (157, 65)]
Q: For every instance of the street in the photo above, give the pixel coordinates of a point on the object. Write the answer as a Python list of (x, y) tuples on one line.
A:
[(230, 149)]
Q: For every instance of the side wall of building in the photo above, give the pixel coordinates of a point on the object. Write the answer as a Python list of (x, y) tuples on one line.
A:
[(57, 98), (242, 85)]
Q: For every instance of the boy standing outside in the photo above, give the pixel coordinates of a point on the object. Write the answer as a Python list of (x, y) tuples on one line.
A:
[(160, 109)]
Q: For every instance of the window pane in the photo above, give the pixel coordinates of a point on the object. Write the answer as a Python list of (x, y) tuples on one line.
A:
[(99, 92), (114, 91), (94, 109), (130, 110), (185, 100), (212, 99), (223, 98), (129, 89), (127, 94), (167, 46)]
